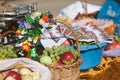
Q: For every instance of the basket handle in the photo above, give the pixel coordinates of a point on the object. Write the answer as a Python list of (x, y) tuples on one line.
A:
[(7, 32), (85, 6), (74, 33)]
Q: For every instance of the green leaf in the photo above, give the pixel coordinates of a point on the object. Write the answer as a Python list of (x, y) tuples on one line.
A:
[(29, 19), (49, 27)]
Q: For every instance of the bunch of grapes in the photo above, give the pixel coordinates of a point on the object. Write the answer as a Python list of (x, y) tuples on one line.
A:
[(56, 51), (84, 43), (7, 52)]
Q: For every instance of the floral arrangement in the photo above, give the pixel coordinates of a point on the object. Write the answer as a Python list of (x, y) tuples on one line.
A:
[(30, 29)]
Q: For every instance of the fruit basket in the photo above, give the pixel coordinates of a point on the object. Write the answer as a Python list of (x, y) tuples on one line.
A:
[(69, 71)]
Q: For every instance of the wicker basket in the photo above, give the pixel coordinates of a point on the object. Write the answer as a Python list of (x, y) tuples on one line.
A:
[(10, 34), (67, 72)]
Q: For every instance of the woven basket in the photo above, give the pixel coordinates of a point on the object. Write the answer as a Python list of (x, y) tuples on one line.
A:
[(10, 35), (67, 72)]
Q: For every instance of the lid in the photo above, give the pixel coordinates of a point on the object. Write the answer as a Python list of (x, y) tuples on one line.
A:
[(12, 11)]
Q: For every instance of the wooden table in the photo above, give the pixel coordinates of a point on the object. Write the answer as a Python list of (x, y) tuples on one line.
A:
[(109, 69)]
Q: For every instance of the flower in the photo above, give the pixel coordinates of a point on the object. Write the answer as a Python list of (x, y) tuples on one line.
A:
[(30, 28)]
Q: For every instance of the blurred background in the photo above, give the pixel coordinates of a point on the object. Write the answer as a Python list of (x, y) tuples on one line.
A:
[(54, 5)]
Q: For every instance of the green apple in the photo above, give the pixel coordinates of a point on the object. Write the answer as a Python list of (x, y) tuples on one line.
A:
[(46, 60)]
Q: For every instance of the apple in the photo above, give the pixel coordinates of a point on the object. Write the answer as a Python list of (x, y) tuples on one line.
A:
[(25, 71), (68, 42), (12, 75), (117, 45), (10, 78), (115, 42), (108, 47), (46, 60), (67, 58), (57, 62)]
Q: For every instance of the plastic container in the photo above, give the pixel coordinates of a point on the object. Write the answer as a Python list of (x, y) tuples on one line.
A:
[(91, 55)]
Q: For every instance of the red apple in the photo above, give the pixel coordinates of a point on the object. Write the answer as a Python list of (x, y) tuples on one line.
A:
[(117, 45), (108, 47), (68, 42), (14, 75), (67, 58), (115, 42), (58, 62)]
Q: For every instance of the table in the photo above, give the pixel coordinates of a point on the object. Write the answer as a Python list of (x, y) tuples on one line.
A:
[(109, 69)]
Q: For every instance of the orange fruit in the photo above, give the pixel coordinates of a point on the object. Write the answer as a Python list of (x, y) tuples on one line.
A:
[(37, 38), (18, 32), (45, 18)]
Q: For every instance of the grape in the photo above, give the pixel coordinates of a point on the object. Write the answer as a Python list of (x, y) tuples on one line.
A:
[(45, 52), (56, 51), (52, 55), (7, 52), (83, 43), (54, 47), (57, 57), (53, 59), (51, 52)]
